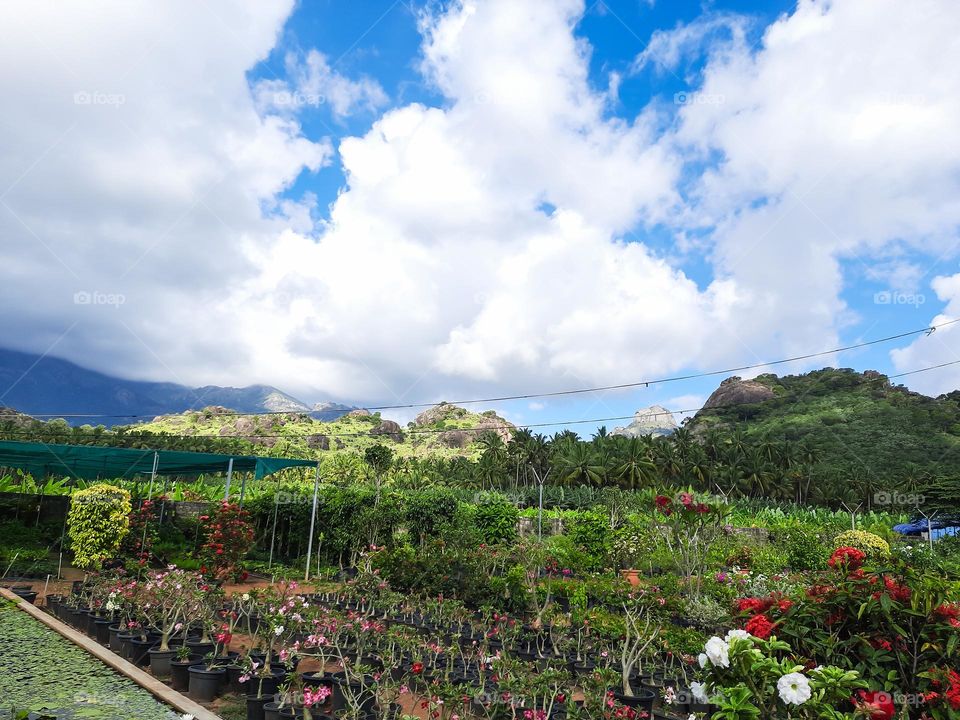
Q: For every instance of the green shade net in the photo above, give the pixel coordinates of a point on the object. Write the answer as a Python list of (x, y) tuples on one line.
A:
[(93, 462)]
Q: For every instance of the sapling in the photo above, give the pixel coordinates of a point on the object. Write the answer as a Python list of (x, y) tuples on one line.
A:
[(640, 630)]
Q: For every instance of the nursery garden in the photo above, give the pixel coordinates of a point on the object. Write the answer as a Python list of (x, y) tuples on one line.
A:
[(451, 604)]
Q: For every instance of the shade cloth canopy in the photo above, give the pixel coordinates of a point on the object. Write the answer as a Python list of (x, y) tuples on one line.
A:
[(91, 462)]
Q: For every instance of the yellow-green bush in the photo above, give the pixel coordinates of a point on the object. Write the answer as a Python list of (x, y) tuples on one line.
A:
[(98, 520), (874, 546)]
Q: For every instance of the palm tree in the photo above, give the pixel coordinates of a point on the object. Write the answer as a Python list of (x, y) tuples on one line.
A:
[(635, 468), (579, 465)]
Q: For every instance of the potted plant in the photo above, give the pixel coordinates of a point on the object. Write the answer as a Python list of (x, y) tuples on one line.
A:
[(167, 594)]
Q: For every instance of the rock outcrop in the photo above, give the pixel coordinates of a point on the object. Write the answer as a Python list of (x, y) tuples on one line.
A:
[(654, 420), (734, 391), (390, 429)]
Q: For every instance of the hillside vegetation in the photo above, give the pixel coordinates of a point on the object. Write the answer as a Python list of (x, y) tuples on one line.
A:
[(858, 423)]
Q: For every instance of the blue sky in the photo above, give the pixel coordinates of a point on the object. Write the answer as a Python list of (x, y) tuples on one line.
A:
[(395, 202)]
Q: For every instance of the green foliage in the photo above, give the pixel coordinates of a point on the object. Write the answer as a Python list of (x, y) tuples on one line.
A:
[(590, 531), (803, 545), (428, 512), (496, 519), (97, 522)]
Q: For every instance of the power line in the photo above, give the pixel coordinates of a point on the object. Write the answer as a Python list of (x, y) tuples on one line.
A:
[(930, 329), (433, 431)]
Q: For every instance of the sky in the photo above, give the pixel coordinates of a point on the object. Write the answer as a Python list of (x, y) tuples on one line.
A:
[(384, 203)]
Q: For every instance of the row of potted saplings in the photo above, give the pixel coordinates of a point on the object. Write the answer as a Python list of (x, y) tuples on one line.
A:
[(371, 657)]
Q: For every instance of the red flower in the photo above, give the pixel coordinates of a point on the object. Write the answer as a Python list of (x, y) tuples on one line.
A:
[(416, 668), (876, 705), (760, 626), (847, 558)]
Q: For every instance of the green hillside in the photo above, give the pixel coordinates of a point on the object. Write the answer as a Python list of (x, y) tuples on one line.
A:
[(445, 431), (856, 423)]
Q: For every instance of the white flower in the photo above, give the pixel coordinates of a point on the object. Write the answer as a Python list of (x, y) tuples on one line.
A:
[(699, 691), (278, 629), (742, 634), (794, 688), (702, 659), (718, 652), (245, 597)]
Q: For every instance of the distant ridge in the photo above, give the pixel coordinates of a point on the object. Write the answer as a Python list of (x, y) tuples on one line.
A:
[(39, 385)]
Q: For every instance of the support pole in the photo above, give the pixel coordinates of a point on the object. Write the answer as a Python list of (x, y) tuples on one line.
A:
[(226, 491), (153, 477), (276, 507), (313, 520)]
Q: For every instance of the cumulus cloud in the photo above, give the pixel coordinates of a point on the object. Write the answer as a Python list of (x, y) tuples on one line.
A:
[(493, 241), (133, 165)]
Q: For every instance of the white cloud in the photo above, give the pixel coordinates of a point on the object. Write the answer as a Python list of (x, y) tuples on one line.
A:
[(438, 270), (668, 48), (313, 83), (836, 143), (935, 349)]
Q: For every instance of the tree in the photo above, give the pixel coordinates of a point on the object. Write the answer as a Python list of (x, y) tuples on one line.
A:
[(379, 459), (98, 520)]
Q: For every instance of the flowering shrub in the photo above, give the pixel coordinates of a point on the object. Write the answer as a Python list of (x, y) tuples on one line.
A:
[(229, 537), (692, 525), (748, 677), (873, 546), (143, 533), (97, 522), (895, 626)]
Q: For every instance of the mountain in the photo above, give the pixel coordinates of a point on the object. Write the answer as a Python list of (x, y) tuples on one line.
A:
[(654, 420), (42, 385), (858, 424)]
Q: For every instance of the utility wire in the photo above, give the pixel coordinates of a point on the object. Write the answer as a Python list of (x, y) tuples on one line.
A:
[(930, 329)]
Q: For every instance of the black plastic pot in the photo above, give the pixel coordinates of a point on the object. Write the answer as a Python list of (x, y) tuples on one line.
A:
[(114, 641), (140, 650), (255, 706), (125, 638), (180, 672), (29, 595), (205, 685), (641, 698), (160, 661), (200, 648), (266, 685), (102, 630)]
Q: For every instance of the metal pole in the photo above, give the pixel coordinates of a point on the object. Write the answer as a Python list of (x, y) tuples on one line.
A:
[(540, 515), (226, 492), (276, 507), (153, 477), (313, 520)]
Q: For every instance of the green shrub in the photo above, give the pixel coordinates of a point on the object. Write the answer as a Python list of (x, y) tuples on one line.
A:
[(803, 545), (875, 547), (496, 519), (590, 531), (97, 522)]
